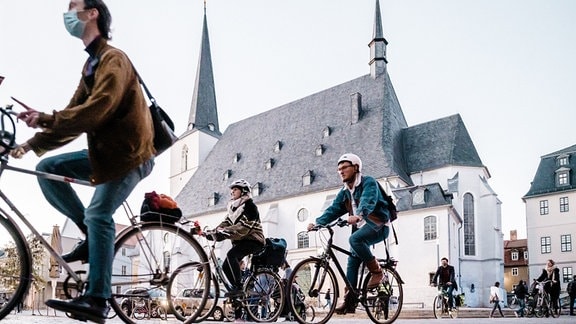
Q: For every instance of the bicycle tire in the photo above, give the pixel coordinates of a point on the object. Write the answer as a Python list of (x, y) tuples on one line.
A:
[(145, 256), (313, 277), (17, 266), (513, 304), (179, 281), (384, 303), (263, 296), (437, 306)]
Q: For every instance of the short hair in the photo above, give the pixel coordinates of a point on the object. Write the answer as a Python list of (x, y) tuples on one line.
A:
[(444, 258), (497, 284), (104, 17)]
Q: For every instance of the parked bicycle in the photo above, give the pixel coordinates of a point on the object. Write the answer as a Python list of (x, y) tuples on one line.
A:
[(315, 276), (146, 252), (539, 302), (262, 297), (441, 305)]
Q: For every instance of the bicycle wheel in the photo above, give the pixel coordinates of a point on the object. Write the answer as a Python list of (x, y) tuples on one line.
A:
[(384, 303), (310, 280), (309, 313), (16, 264), (453, 312), (437, 306), (263, 296), (513, 304), (184, 298), (145, 257)]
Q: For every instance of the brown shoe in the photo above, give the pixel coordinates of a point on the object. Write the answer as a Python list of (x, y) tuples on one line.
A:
[(376, 274), (348, 306)]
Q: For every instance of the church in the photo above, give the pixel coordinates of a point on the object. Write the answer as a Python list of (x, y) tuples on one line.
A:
[(289, 156)]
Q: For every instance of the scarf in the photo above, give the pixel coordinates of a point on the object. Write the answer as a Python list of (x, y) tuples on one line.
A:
[(550, 270), (236, 207)]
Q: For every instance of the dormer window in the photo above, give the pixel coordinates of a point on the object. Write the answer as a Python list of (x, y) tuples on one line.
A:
[(236, 158), (319, 150), (226, 175), (256, 189), (418, 197), (326, 132), (211, 127), (307, 178), (213, 199), (563, 177), (277, 146), (562, 160), (269, 164)]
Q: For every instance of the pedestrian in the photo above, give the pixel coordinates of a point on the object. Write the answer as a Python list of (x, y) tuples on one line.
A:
[(521, 291), (571, 290), (368, 214), (551, 273), (109, 107), (496, 297), (328, 299), (445, 279)]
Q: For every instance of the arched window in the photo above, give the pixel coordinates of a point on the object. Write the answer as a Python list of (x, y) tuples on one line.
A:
[(430, 232), (184, 159), (303, 240), (469, 232)]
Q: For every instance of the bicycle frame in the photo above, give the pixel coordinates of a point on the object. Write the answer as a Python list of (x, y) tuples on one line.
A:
[(4, 166)]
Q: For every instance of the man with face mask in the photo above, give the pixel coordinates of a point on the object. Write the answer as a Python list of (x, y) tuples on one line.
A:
[(110, 108)]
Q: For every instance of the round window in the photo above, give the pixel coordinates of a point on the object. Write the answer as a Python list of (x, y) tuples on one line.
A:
[(302, 214)]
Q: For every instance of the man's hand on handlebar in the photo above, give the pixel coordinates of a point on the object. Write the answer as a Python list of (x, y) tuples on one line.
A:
[(354, 219), (20, 150)]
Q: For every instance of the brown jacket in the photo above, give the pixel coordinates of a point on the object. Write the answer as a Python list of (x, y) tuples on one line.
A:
[(112, 112)]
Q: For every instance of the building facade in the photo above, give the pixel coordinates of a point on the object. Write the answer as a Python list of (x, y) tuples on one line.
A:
[(550, 222), (289, 155), (515, 262)]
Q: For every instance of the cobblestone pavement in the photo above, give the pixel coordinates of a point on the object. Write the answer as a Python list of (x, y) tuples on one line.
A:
[(59, 317)]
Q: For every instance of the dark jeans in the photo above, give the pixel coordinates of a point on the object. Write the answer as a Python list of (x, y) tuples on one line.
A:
[(231, 265), (572, 298), (496, 305)]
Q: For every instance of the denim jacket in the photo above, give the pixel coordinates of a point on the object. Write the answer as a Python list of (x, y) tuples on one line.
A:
[(369, 201)]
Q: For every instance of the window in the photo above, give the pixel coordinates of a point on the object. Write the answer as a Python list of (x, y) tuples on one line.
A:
[(184, 159), (307, 178), (469, 232), (430, 232), (545, 245), (236, 158), (525, 255), (303, 214), (563, 204), (566, 274), (123, 251), (515, 255), (303, 241), (515, 272), (544, 207), (123, 270), (226, 175), (213, 199), (562, 160), (418, 197), (562, 177), (566, 243)]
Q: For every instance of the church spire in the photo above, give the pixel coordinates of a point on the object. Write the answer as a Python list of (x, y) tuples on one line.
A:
[(377, 46), (203, 111)]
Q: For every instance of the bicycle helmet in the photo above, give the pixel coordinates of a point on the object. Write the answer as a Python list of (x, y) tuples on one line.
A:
[(242, 184), (352, 158)]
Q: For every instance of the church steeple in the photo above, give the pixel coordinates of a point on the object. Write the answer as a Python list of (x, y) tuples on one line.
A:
[(203, 111), (377, 46)]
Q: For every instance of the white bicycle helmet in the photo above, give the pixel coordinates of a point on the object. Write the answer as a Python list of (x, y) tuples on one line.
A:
[(242, 184), (352, 158)]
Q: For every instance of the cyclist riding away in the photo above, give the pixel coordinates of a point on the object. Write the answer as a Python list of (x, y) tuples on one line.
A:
[(367, 211), (445, 279)]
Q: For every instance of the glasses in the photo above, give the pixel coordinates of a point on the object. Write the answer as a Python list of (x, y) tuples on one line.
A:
[(344, 167)]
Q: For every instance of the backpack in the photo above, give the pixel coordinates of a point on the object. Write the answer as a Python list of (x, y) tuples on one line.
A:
[(391, 207)]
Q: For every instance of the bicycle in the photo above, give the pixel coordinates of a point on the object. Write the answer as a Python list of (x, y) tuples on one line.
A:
[(539, 302), (261, 300), (315, 276), (146, 252), (441, 305)]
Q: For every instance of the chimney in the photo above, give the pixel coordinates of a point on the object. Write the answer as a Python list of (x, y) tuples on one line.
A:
[(513, 235)]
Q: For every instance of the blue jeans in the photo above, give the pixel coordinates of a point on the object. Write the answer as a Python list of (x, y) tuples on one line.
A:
[(95, 220), (449, 289), (360, 242)]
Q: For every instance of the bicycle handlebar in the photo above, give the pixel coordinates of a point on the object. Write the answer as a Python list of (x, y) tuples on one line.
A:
[(339, 222)]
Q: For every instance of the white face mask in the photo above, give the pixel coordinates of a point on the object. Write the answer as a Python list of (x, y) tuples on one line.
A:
[(73, 24)]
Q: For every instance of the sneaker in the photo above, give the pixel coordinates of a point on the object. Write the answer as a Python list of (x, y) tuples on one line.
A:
[(82, 308)]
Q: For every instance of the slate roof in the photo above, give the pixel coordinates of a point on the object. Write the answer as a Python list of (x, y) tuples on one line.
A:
[(545, 179), (299, 126), (439, 143), (434, 194)]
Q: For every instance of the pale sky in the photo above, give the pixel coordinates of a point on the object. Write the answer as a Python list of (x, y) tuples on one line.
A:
[(507, 67)]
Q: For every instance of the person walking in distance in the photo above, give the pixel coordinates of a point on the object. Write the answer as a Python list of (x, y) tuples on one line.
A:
[(445, 278), (496, 297), (109, 107), (521, 291), (328, 299), (571, 290), (367, 211)]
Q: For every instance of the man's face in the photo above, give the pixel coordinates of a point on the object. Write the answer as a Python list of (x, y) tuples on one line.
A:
[(347, 171), (444, 262), (80, 6)]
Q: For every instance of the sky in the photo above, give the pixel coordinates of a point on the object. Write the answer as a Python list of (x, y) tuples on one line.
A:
[(507, 67)]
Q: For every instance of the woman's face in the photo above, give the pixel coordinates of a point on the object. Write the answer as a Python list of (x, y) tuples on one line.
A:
[(235, 193), (550, 263)]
